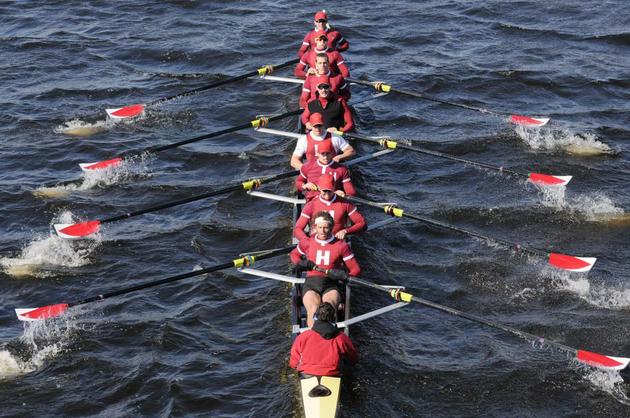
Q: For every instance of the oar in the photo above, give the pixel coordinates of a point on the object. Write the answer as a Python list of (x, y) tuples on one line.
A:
[(80, 230), (134, 110), (113, 162), (516, 119), (537, 178), (561, 261), (51, 311), (589, 358)]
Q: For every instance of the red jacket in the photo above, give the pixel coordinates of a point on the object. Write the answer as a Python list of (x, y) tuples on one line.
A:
[(329, 254), (336, 42), (319, 351), (312, 170), (335, 110), (336, 61), (337, 84), (341, 211)]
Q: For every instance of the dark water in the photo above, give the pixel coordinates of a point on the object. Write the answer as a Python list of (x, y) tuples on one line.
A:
[(218, 345)]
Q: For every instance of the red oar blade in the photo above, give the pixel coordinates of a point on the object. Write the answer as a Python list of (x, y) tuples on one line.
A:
[(100, 165), (601, 361), (45, 312), (549, 180), (528, 120), (126, 112), (571, 263), (76, 231)]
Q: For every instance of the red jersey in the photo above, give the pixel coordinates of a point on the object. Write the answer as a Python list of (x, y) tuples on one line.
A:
[(312, 170), (335, 60), (336, 42), (337, 84), (341, 210), (319, 351), (334, 109), (329, 254)]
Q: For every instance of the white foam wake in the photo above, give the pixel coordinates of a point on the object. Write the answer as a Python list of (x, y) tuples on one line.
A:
[(562, 140)]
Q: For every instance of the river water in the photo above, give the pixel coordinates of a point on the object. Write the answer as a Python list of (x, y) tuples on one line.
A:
[(218, 345)]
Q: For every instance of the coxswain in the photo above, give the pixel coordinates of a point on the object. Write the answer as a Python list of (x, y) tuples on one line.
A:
[(334, 109), (347, 219), (337, 82), (323, 257), (311, 171), (336, 42), (308, 144), (320, 350), (307, 62)]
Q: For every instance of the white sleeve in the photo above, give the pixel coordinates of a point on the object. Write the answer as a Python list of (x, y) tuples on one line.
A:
[(339, 142), (300, 147)]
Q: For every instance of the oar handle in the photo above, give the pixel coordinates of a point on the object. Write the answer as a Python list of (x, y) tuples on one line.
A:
[(239, 262), (390, 143), (261, 71), (246, 185)]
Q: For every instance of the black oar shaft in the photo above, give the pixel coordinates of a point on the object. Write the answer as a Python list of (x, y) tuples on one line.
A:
[(387, 88), (395, 144), (406, 297), (260, 71), (234, 263), (394, 211)]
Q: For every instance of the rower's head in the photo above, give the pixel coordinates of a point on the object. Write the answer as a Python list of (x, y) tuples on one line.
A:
[(325, 151), (323, 223), (321, 63), (317, 123), (321, 19), (322, 83), (326, 312), (326, 186), (321, 41)]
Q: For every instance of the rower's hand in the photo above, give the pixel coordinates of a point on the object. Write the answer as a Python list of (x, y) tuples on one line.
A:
[(341, 234), (337, 158), (334, 130), (311, 71), (340, 193), (337, 274), (310, 186), (308, 126), (305, 264)]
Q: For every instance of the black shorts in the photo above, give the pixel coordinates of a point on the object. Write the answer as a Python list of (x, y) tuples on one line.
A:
[(321, 285)]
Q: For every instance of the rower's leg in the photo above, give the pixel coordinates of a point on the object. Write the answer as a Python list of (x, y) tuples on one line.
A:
[(333, 297), (311, 301)]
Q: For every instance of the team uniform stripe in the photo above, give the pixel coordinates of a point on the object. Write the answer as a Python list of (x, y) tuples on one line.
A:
[(348, 257)]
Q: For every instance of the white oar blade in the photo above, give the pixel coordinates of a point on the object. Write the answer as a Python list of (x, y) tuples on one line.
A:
[(77, 231), (126, 112), (37, 314), (528, 121), (100, 165), (571, 263), (549, 180), (601, 361)]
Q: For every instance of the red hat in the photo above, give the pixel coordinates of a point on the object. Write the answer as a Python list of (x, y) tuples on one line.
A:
[(321, 15), (321, 35), (326, 182), (316, 119), (325, 146), (322, 79)]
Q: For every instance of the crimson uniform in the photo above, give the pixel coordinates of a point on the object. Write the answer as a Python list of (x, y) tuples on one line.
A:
[(337, 84), (312, 170), (335, 60), (336, 42), (334, 109), (307, 145), (341, 211), (319, 351)]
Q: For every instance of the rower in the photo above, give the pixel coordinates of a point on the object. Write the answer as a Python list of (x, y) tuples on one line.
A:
[(337, 81), (342, 212), (334, 109), (324, 252), (308, 144), (335, 59), (311, 171), (320, 350), (336, 42)]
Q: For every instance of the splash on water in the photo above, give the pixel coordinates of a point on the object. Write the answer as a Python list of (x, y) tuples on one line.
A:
[(594, 207), (130, 168), (583, 145), (81, 128), (42, 256), (610, 382), (605, 296)]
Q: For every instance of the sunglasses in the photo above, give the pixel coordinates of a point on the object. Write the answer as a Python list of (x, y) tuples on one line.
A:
[(323, 86), (321, 21)]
